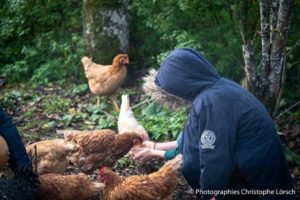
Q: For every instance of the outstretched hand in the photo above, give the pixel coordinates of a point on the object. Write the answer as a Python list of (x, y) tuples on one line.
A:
[(143, 155)]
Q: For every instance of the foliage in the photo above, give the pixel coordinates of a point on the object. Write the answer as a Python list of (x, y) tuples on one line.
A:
[(292, 80), (52, 103), (82, 88), (161, 124), (40, 40), (205, 25), (291, 156)]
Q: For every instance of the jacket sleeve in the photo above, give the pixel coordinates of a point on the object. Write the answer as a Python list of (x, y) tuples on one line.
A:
[(216, 147), (18, 155), (170, 154)]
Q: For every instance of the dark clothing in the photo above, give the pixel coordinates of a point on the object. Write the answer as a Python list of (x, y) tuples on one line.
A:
[(18, 155), (23, 186), (227, 127)]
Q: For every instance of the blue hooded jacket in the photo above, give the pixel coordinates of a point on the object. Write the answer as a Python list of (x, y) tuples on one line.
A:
[(18, 155), (227, 128)]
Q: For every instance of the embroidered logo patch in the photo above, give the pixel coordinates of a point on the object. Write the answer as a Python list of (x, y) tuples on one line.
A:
[(208, 139)]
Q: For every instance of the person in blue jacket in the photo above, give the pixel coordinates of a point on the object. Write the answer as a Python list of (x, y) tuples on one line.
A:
[(18, 155), (229, 140), (25, 183)]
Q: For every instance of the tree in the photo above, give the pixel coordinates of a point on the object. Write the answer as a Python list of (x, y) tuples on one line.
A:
[(106, 29), (265, 78)]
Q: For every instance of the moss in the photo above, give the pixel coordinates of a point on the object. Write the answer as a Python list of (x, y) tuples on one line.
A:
[(102, 4), (102, 34)]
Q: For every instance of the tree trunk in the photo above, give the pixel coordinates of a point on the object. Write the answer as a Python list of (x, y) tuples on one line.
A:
[(278, 47), (264, 80), (106, 29)]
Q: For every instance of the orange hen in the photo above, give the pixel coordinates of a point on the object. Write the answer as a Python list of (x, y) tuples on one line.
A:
[(158, 185), (67, 187), (53, 156), (105, 80), (102, 147)]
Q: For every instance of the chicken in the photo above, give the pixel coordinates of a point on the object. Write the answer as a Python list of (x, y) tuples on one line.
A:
[(52, 155), (105, 80), (67, 187), (158, 185), (127, 121), (102, 147), (22, 186), (77, 136), (4, 152)]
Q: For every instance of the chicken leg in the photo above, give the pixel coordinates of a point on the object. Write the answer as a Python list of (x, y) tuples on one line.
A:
[(114, 102), (98, 100)]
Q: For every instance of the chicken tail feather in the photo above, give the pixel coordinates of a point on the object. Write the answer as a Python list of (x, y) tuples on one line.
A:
[(173, 165), (125, 102)]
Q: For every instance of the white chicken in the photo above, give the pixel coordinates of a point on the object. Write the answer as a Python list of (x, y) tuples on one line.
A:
[(127, 122)]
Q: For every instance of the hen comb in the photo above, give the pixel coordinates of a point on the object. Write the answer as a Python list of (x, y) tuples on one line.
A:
[(102, 170)]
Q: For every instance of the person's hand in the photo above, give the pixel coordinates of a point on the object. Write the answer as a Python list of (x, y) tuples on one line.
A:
[(143, 155)]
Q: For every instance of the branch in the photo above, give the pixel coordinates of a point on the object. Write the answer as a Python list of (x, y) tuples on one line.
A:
[(248, 53), (265, 38), (291, 107), (141, 103), (250, 65), (283, 77), (242, 31), (274, 16), (106, 113), (279, 43), (240, 22)]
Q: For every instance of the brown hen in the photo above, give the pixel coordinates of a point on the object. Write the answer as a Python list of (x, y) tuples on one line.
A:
[(105, 80), (67, 187), (102, 147), (53, 156), (158, 185)]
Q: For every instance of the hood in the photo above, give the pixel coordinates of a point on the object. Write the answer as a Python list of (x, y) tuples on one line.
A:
[(185, 73)]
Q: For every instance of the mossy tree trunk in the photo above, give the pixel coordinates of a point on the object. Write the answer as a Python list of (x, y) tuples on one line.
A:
[(105, 29)]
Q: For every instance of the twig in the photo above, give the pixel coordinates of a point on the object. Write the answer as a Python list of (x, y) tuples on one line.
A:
[(282, 81), (287, 110), (106, 113), (141, 103), (294, 63), (294, 47), (254, 36)]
